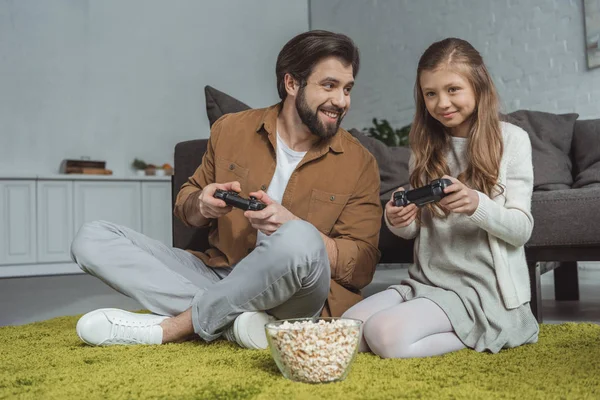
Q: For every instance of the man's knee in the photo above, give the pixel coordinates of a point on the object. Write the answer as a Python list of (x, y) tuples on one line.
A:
[(300, 236), (298, 244), (86, 242)]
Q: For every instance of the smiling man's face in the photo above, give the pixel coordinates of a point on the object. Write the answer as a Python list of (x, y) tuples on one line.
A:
[(325, 99)]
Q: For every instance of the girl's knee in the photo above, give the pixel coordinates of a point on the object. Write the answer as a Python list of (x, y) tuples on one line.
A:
[(359, 312), (384, 340)]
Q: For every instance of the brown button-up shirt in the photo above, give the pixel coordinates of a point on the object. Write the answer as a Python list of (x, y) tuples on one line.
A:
[(335, 187)]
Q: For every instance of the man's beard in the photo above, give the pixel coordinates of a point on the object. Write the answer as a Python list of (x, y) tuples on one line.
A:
[(311, 119)]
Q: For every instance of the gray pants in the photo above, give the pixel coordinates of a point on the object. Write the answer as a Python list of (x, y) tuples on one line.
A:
[(287, 275)]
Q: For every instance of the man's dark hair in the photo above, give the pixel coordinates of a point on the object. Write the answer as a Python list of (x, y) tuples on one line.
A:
[(299, 56)]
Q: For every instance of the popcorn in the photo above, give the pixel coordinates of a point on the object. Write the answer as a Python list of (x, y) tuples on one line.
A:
[(314, 352)]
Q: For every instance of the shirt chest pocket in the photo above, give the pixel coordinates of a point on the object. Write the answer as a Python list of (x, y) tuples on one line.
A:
[(229, 171), (325, 209)]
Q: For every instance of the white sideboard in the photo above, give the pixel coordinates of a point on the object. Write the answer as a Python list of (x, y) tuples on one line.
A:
[(40, 215)]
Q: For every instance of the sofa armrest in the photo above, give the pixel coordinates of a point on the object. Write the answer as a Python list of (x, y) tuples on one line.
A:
[(188, 156), (563, 218)]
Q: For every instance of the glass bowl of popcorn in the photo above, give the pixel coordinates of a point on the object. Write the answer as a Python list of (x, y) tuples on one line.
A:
[(314, 350)]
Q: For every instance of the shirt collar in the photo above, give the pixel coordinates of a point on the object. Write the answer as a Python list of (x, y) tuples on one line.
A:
[(268, 124)]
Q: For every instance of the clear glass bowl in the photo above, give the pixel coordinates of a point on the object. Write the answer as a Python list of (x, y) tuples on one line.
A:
[(314, 350)]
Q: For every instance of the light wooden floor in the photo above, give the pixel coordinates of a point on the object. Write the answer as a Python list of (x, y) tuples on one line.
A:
[(26, 300)]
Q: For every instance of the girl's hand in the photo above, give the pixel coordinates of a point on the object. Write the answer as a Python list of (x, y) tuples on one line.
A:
[(400, 217), (459, 198)]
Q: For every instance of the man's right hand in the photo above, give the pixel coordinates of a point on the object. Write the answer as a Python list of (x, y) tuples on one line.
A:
[(210, 207)]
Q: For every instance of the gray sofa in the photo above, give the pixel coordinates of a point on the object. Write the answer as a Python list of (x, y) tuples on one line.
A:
[(565, 203)]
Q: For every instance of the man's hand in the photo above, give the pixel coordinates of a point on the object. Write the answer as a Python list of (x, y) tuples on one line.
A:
[(459, 198), (400, 217), (270, 218), (214, 208)]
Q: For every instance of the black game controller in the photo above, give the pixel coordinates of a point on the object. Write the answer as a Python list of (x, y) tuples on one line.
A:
[(423, 195), (232, 198)]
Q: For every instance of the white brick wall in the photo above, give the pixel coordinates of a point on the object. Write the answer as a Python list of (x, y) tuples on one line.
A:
[(533, 48)]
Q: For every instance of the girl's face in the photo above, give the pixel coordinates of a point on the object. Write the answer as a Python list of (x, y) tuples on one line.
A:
[(449, 98)]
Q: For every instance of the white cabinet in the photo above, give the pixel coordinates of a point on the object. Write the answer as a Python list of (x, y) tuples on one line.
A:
[(17, 222), (39, 216), (117, 202), (54, 220), (157, 212)]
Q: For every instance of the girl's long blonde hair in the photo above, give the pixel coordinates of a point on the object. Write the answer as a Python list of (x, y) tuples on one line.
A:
[(429, 139)]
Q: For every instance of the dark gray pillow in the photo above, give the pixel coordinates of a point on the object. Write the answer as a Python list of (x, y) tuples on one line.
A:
[(586, 153), (392, 161), (219, 104), (550, 136)]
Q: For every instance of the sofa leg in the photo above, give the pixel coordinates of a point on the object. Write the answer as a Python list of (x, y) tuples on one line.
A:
[(566, 281), (536, 290)]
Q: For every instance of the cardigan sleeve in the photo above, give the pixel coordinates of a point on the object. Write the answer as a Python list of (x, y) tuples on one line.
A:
[(511, 222)]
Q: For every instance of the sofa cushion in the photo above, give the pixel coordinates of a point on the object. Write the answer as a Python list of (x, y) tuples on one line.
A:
[(392, 161), (550, 136), (219, 104), (586, 153), (565, 218)]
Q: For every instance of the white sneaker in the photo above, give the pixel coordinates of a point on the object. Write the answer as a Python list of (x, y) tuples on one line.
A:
[(248, 330), (111, 326)]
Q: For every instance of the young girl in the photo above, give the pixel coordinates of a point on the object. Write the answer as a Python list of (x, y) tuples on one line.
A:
[(469, 285)]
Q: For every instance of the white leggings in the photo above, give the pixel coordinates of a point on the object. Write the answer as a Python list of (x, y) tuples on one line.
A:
[(394, 328)]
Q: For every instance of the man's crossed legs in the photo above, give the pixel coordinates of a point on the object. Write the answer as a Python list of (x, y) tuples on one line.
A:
[(286, 276)]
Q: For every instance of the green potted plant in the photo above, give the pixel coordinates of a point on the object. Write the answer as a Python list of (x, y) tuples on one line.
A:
[(142, 168), (384, 132), (139, 166)]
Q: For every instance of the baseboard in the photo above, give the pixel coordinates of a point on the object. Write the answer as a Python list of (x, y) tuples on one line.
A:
[(51, 269), (583, 266), (392, 266), (48, 269)]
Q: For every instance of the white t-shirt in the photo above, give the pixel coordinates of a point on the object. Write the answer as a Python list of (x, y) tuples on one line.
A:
[(287, 160)]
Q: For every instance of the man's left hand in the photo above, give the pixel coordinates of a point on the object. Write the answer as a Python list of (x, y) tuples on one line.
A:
[(270, 218), (459, 198)]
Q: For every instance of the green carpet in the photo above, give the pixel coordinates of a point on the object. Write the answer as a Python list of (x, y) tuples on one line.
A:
[(46, 360)]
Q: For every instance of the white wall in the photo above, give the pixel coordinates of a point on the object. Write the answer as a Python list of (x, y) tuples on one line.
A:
[(118, 79), (533, 48)]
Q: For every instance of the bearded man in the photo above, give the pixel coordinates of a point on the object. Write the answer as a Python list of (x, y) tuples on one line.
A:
[(307, 253)]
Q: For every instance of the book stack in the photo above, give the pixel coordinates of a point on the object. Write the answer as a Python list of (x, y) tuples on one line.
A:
[(87, 167)]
